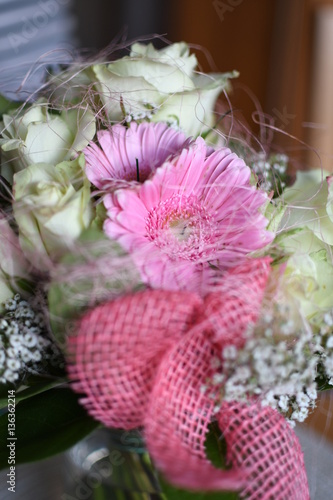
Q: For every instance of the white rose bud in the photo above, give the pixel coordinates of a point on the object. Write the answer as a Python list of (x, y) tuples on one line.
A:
[(13, 266)]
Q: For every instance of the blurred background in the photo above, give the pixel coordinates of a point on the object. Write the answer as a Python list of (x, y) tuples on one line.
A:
[(283, 50)]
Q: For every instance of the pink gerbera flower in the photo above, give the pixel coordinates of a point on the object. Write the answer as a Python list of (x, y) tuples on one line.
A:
[(194, 217), (130, 154)]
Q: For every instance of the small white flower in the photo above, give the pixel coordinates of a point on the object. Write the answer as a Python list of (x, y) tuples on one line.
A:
[(3, 324), (270, 400), (261, 368), (13, 328), (312, 392), (41, 343), (303, 413), (30, 340), (11, 305), (229, 352), (243, 373), (24, 312), (329, 366), (10, 376), (283, 403), (269, 332), (288, 328), (11, 352), (36, 356), (218, 378), (328, 319), (25, 355), (262, 352), (13, 364), (302, 399), (15, 340)]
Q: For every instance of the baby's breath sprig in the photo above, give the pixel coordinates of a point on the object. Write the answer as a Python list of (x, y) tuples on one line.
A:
[(146, 113), (277, 364), (322, 325), (25, 346), (271, 171)]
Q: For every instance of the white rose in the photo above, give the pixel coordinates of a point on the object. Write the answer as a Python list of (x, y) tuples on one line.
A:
[(52, 207), (309, 205), (161, 85), (308, 273), (303, 221), (42, 136)]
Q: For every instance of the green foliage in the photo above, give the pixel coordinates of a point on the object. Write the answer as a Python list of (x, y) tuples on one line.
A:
[(93, 257), (322, 379), (322, 384), (45, 424), (37, 385), (216, 447), (172, 493), (7, 105)]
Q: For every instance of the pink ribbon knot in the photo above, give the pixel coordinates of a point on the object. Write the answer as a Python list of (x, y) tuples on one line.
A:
[(142, 361)]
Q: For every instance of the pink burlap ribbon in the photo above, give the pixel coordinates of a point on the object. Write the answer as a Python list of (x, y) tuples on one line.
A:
[(142, 361)]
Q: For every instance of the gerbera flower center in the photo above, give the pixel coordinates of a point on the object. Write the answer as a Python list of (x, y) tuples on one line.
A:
[(181, 227)]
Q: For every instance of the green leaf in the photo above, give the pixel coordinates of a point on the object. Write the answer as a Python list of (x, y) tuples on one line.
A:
[(6, 105), (323, 384), (322, 379), (171, 493), (27, 392), (45, 424), (216, 447), (4, 388)]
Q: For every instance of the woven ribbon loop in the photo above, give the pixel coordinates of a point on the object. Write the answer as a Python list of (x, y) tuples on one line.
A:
[(142, 360)]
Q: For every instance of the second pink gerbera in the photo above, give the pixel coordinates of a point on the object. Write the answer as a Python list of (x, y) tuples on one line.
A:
[(130, 153), (193, 218)]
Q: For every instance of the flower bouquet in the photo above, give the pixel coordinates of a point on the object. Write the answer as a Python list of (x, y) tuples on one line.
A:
[(162, 278)]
